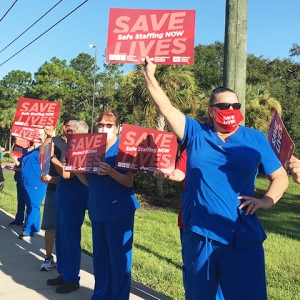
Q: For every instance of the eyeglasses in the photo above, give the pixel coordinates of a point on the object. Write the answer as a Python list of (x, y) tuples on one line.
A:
[(101, 125), (224, 105), (69, 131)]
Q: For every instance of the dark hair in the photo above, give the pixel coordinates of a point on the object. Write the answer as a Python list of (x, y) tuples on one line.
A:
[(109, 115), (219, 90), (70, 118)]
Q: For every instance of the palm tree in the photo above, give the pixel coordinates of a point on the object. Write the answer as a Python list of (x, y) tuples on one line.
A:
[(259, 108), (6, 119)]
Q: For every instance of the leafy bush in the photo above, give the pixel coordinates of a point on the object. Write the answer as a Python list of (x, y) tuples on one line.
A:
[(145, 183)]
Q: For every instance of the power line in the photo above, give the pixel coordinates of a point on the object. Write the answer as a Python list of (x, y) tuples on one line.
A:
[(44, 32), (8, 10), (31, 25)]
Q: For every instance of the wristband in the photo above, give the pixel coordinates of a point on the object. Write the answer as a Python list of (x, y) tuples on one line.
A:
[(53, 156)]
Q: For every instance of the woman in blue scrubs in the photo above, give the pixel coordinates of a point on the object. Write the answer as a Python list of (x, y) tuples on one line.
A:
[(34, 189), (111, 208)]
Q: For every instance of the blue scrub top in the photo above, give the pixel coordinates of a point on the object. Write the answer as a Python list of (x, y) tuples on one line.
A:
[(110, 201), (71, 194), (216, 174), (31, 168)]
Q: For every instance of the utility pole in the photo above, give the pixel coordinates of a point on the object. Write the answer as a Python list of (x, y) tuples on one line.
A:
[(235, 48)]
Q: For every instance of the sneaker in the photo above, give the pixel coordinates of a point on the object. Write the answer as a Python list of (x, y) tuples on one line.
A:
[(56, 281), (47, 264), (13, 224), (67, 287), (24, 236)]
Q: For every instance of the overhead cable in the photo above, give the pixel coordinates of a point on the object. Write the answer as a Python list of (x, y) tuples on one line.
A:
[(31, 25), (44, 32), (8, 10)]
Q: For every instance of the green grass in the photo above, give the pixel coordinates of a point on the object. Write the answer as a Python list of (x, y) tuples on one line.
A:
[(156, 254)]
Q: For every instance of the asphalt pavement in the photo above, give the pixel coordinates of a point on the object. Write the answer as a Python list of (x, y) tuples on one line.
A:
[(20, 277)]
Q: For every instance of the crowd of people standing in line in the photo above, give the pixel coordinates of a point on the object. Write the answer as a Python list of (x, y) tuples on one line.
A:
[(108, 196), (221, 235)]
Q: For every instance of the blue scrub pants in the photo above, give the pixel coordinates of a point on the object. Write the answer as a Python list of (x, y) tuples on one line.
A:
[(219, 295), (112, 259), (67, 242), (33, 199), (19, 218), (207, 263)]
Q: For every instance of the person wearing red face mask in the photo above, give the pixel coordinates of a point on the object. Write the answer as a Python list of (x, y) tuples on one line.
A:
[(222, 240)]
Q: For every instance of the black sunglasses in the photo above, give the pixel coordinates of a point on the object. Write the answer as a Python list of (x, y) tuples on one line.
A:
[(223, 106), (101, 125)]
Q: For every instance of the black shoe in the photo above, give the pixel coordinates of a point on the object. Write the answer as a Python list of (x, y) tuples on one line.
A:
[(56, 281), (67, 287), (24, 236), (13, 224)]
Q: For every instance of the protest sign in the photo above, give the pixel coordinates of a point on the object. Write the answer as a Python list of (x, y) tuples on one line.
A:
[(85, 151), (145, 150), (28, 133), (19, 147), (166, 36), (279, 139), (32, 114), (45, 158), (36, 113)]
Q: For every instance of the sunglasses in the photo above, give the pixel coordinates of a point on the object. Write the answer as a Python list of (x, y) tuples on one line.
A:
[(69, 131), (101, 125), (223, 106)]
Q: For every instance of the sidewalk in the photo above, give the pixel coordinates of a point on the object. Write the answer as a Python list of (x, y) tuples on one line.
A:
[(20, 277)]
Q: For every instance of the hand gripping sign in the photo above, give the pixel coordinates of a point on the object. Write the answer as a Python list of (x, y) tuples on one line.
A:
[(145, 150), (31, 115), (166, 36), (85, 151), (279, 139)]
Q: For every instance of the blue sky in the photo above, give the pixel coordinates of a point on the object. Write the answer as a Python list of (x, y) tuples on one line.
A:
[(273, 27)]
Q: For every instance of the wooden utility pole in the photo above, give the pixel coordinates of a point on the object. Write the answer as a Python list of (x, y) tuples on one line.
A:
[(235, 48)]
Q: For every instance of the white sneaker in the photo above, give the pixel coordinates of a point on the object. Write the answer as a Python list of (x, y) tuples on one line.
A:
[(47, 264)]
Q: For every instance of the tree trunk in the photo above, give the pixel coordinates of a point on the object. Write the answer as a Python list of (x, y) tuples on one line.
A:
[(160, 122), (235, 48), (160, 188), (9, 144), (160, 125)]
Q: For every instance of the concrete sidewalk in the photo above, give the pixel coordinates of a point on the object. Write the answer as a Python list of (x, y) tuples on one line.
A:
[(20, 277)]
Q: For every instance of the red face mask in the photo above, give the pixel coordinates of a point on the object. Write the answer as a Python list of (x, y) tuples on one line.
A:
[(228, 119)]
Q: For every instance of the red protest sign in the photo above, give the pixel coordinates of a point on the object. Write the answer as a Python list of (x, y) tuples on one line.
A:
[(36, 113), (28, 133), (145, 150), (166, 36), (32, 114), (279, 139), (85, 151), (19, 147)]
